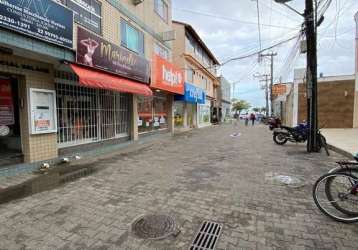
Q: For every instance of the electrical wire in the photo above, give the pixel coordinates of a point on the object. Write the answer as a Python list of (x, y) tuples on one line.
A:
[(233, 19)]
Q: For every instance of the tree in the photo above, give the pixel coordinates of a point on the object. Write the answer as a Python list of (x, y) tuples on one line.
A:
[(240, 105), (256, 110)]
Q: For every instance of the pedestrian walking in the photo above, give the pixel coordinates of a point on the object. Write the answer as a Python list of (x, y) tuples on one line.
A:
[(246, 119), (253, 118)]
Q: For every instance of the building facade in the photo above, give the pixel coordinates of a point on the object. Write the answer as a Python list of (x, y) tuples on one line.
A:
[(355, 125), (225, 99), (190, 53), (83, 75), (335, 102)]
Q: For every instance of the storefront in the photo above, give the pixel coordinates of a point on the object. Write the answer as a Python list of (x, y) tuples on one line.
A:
[(28, 122), (204, 117), (156, 113), (94, 105), (186, 107)]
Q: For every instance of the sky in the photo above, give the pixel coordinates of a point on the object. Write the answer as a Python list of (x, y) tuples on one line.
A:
[(229, 28)]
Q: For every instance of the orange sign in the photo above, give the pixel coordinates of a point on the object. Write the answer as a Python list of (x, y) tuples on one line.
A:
[(166, 76), (279, 89)]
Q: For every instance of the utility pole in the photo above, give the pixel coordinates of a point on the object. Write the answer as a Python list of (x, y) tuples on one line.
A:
[(266, 88), (271, 55), (311, 36)]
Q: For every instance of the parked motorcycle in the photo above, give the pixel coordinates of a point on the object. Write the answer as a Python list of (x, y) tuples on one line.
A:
[(293, 134), (298, 134), (274, 122)]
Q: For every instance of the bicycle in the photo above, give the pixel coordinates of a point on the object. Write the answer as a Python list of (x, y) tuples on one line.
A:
[(339, 189)]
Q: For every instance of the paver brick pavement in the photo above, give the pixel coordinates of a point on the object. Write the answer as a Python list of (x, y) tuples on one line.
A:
[(200, 175)]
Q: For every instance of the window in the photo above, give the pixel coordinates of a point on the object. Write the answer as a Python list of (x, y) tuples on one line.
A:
[(132, 38), (189, 43), (161, 8), (190, 74), (161, 51), (88, 115)]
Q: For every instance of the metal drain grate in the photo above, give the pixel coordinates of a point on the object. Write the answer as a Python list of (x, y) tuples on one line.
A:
[(207, 237)]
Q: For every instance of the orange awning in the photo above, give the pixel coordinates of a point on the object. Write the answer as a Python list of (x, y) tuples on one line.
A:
[(96, 79)]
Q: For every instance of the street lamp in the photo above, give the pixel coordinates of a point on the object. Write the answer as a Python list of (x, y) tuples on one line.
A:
[(311, 74)]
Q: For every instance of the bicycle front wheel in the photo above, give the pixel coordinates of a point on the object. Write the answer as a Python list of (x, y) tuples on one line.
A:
[(334, 195)]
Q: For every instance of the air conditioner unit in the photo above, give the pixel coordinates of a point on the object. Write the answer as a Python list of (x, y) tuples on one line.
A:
[(169, 35), (136, 2)]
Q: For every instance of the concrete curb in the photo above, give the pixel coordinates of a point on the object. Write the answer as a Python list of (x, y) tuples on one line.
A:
[(340, 151)]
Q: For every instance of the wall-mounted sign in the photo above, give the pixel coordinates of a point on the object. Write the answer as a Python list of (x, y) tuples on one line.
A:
[(95, 52), (87, 13), (166, 76), (42, 111), (45, 20), (6, 103), (192, 94)]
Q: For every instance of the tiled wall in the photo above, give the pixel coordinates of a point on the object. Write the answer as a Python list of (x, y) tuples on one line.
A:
[(34, 147)]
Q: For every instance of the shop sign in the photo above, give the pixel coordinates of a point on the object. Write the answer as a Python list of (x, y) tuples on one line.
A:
[(166, 76), (95, 52), (45, 20), (86, 13), (42, 111), (192, 94), (6, 103), (279, 89)]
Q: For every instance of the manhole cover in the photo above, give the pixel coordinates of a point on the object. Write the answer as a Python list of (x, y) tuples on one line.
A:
[(154, 226)]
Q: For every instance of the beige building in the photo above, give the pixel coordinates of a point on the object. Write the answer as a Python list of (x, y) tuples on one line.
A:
[(335, 102), (356, 76), (49, 108), (191, 54)]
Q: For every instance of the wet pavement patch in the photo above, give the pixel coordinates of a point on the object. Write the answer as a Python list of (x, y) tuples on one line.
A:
[(284, 179), (154, 226)]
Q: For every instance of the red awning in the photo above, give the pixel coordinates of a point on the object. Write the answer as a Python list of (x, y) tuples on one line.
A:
[(96, 79)]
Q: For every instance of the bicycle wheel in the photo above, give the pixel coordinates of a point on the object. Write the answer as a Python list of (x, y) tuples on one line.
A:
[(333, 195)]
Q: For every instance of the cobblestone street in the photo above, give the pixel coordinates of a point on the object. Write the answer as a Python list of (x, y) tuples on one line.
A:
[(201, 175)]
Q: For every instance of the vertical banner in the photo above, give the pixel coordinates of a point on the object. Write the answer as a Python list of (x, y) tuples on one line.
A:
[(6, 103)]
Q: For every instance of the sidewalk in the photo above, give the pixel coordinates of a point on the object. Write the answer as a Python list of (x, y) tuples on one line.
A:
[(344, 141)]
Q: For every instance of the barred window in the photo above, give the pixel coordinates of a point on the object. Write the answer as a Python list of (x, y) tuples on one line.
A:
[(89, 115)]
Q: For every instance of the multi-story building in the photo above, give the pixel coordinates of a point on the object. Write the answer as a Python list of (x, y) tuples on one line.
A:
[(83, 74), (225, 99), (190, 53)]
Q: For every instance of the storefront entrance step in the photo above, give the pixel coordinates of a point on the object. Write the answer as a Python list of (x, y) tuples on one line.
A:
[(25, 179)]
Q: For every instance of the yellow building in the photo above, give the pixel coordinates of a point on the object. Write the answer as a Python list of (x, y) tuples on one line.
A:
[(80, 75), (191, 54)]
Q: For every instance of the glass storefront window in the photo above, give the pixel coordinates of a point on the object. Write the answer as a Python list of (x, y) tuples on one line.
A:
[(152, 113), (204, 113), (179, 114)]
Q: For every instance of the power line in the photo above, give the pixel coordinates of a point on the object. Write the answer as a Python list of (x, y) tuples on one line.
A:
[(233, 19)]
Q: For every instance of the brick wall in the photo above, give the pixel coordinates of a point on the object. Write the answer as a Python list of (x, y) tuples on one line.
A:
[(335, 104)]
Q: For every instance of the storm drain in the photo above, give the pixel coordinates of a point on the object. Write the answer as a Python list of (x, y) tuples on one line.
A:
[(207, 237), (154, 226)]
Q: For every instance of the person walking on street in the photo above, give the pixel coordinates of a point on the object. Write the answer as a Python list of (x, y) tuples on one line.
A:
[(253, 118), (246, 119)]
